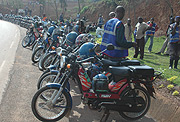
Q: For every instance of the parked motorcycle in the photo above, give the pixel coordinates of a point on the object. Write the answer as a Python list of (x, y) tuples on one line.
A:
[(120, 89)]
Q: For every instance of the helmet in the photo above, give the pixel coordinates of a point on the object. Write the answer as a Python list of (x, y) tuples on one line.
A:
[(82, 38), (71, 38), (84, 50)]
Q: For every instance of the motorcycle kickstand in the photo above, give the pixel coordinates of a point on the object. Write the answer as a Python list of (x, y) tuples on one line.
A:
[(105, 115)]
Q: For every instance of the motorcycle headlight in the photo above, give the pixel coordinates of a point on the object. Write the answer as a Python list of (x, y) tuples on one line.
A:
[(62, 61)]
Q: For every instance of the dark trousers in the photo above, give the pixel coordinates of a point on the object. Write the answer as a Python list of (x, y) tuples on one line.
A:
[(174, 52), (140, 48)]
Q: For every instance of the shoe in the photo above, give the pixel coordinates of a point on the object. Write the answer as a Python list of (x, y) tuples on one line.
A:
[(166, 54), (159, 53), (170, 67), (134, 56), (149, 51), (175, 68)]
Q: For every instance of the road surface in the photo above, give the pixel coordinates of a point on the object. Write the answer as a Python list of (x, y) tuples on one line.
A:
[(19, 83)]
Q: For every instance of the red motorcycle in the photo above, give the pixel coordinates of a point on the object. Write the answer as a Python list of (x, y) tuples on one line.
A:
[(126, 89)]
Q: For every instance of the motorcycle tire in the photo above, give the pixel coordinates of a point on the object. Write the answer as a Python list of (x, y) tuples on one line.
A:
[(47, 112), (32, 40), (47, 60), (37, 55), (25, 41), (32, 47), (139, 90), (46, 78)]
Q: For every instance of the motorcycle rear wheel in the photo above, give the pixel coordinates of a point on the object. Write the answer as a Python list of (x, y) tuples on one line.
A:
[(140, 92), (43, 108)]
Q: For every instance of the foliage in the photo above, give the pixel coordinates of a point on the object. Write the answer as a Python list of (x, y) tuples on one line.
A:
[(172, 78), (161, 86), (175, 93), (170, 86)]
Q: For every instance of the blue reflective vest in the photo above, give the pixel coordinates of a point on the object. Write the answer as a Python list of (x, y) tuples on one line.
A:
[(109, 37), (175, 38), (152, 30)]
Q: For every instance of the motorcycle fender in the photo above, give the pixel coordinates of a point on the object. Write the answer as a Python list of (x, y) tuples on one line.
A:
[(51, 67), (40, 46), (53, 52), (58, 86), (54, 71), (150, 89)]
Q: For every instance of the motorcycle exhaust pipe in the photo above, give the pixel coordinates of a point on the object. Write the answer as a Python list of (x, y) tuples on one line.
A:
[(107, 103)]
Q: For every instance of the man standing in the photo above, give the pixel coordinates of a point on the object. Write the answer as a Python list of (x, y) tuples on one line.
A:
[(141, 27), (128, 30), (100, 21), (166, 42), (61, 18), (174, 45), (150, 33), (114, 34)]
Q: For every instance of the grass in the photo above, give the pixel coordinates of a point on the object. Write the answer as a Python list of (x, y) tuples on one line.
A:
[(158, 62)]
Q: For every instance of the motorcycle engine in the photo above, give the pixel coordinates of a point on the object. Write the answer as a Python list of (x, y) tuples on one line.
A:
[(100, 83)]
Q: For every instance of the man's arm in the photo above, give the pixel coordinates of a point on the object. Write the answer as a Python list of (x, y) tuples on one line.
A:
[(120, 38), (174, 29)]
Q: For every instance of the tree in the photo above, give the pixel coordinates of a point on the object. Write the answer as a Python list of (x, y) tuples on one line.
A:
[(170, 6)]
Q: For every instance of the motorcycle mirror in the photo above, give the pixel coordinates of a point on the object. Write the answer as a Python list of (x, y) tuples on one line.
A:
[(110, 47)]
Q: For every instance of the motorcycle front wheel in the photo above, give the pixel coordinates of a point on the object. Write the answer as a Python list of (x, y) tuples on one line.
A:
[(44, 110), (47, 78), (47, 60), (25, 41), (139, 92), (37, 54)]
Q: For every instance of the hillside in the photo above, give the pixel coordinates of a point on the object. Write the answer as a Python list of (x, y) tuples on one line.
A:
[(158, 9)]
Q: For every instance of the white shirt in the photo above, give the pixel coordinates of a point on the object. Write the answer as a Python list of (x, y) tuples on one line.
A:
[(141, 28)]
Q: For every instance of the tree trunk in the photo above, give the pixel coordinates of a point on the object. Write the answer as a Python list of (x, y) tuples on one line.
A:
[(129, 8), (56, 9), (79, 6), (134, 12), (170, 5)]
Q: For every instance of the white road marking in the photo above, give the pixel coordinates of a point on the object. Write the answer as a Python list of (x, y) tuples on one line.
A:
[(12, 44), (1, 67)]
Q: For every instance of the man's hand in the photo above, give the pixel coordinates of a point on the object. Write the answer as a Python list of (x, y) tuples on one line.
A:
[(134, 44)]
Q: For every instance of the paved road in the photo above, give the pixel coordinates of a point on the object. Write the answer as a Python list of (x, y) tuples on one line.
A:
[(10, 37), (21, 86)]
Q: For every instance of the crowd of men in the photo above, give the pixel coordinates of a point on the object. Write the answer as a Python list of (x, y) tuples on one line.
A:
[(120, 35)]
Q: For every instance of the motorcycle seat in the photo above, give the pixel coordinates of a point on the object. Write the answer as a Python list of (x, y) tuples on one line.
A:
[(121, 71), (142, 71), (107, 62), (129, 62)]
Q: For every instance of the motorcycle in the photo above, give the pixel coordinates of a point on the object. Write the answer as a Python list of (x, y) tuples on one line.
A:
[(120, 89)]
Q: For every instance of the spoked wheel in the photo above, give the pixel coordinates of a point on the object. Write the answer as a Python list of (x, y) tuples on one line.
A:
[(25, 41), (47, 78), (47, 60), (143, 102), (37, 55), (32, 40), (45, 110)]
